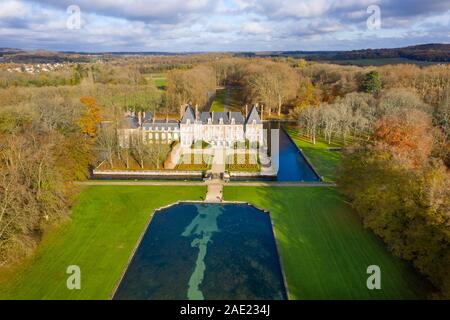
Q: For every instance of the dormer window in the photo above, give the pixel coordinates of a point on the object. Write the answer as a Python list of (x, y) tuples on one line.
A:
[(254, 121), (221, 120), (188, 121), (209, 121), (233, 121)]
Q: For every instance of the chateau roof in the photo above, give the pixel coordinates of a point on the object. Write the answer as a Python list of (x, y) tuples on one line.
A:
[(129, 122), (161, 124), (253, 115), (189, 114), (226, 116), (147, 117)]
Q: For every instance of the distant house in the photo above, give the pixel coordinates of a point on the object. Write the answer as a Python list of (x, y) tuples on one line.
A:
[(222, 129)]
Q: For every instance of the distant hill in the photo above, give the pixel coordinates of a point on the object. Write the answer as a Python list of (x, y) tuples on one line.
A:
[(433, 52), (424, 54), (39, 56)]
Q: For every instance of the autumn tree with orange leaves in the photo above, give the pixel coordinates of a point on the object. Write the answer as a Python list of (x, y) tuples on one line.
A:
[(401, 191), (408, 134), (90, 117)]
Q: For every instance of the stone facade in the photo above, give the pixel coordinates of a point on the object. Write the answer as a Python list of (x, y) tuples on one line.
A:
[(221, 129)]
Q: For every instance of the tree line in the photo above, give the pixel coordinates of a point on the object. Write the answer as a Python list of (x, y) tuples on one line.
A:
[(45, 145)]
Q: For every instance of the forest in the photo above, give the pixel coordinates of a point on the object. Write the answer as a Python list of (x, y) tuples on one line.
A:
[(393, 123)]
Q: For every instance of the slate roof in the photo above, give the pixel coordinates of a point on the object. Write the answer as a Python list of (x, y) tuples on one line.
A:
[(253, 115), (188, 114), (129, 122), (226, 116), (161, 124), (148, 117)]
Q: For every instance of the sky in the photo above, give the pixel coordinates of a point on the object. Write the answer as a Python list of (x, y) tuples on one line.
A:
[(221, 25)]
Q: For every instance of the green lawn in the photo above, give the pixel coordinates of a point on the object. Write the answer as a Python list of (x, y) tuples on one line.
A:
[(325, 251), (323, 160), (105, 226), (227, 99), (219, 101), (159, 79), (160, 83)]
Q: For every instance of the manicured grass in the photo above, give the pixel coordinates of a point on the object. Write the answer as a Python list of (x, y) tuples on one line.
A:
[(325, 250), (227, 99), (159, 79), (323, 160), (219, 101), (160, 83), (105, 225)]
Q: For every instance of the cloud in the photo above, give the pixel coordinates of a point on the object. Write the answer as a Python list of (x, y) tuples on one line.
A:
[(202, 25), (168, 11), (254, 28), (13, 9)]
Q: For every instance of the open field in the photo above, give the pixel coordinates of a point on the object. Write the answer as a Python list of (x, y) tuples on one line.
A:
[(324, 161), (324, 248), (218, 103), (227, 99), (104, 227), (159, 79)]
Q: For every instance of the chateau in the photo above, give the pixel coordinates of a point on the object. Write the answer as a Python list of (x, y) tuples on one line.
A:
[(220, 129)]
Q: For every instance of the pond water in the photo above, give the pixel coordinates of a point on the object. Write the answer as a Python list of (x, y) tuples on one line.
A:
[(292, 164), (205, 251)]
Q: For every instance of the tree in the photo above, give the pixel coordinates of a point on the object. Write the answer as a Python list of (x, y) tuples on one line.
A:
[(409, 134), (139, 148), (194, 86), (395, 100), (308, 95), (401, 192), (371, 82), (90, 117), (329, 118), (107, 142), (309, 118), (271, 84)]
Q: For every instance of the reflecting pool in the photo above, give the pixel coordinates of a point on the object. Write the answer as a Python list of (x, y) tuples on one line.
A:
[(205, 251), (291, 163)]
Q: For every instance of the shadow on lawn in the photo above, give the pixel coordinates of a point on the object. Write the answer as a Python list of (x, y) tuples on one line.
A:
[(325, 249)]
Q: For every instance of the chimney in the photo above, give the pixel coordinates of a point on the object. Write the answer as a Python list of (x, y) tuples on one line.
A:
[(196, 112), (212, 117), (262, 112), (246, 110), (143, 115), (140, 118)]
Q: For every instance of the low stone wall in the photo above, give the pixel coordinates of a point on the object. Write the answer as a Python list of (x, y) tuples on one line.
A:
[(147, 174)]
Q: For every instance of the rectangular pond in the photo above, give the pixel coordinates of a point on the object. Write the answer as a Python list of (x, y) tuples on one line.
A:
[(205, 251), (286, 156)]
